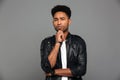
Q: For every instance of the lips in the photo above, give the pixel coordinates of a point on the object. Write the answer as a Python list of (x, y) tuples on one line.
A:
[(59, 27)]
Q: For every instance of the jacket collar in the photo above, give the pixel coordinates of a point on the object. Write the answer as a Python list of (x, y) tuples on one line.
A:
[(68, 36)]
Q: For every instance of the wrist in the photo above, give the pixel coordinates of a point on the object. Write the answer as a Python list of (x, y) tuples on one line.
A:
[(58, 42), (52, 72)]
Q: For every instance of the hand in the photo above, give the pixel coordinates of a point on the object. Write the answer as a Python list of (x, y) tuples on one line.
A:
[(60, 36), (48, 74)]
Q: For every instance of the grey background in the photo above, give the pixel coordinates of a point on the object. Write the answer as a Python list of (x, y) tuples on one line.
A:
[(24, 23)]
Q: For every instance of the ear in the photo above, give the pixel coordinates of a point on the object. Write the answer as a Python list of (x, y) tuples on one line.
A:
[(69, 21)]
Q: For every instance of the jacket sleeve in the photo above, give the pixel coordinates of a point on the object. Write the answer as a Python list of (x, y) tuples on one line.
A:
[(44, 50), (79, 69)]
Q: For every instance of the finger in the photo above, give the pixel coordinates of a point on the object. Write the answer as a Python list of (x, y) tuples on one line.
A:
[(62, 36)]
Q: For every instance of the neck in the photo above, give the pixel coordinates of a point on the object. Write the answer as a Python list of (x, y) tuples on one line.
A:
[(65, 34)]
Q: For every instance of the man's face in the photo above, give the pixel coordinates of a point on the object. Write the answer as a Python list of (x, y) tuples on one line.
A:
[(61, 21)]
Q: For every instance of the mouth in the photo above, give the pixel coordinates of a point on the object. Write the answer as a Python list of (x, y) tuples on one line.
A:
[(59, 27)]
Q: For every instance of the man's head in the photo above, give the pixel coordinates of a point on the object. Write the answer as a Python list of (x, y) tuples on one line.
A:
[(61, 17), (61, 8)]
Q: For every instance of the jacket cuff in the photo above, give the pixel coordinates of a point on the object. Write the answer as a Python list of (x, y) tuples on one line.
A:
[(77, 71)]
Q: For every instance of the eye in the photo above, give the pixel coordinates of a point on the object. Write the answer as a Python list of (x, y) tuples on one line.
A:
[(62, 18), (55, 19)]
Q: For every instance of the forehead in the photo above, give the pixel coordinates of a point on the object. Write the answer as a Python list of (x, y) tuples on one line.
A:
[(60, 14)]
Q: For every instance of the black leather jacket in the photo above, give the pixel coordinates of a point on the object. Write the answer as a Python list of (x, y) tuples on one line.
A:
[(76, 56)]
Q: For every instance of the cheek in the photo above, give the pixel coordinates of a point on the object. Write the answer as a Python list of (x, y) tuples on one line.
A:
[(54, 23), (66, 24)]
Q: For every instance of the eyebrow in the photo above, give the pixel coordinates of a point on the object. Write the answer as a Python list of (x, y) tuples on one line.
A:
[(57, 18)]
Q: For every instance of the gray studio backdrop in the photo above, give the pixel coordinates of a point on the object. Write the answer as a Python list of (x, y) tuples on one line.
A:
[(24, 23)]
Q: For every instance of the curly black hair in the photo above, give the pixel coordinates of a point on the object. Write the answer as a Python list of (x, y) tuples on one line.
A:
[(62, 8)]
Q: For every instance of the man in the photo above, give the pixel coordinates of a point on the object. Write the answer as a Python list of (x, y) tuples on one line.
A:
[(63, 55)]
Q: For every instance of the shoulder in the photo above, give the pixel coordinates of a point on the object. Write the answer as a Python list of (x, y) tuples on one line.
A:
[(77, 38), (48, 39)]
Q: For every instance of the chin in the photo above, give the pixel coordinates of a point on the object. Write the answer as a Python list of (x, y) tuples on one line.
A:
[(59, 29)]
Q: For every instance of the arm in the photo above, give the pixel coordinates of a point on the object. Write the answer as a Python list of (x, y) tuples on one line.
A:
[(61, 72), (53, 55), (48, 61), (48, 56), (45, 65), (80, 69)]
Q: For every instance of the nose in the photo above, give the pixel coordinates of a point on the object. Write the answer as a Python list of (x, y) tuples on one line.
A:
[(59, 22)]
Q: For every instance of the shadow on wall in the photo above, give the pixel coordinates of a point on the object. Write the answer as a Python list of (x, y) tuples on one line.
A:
[(1, 78), (1, 1), (118, 1), (118, 77)]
